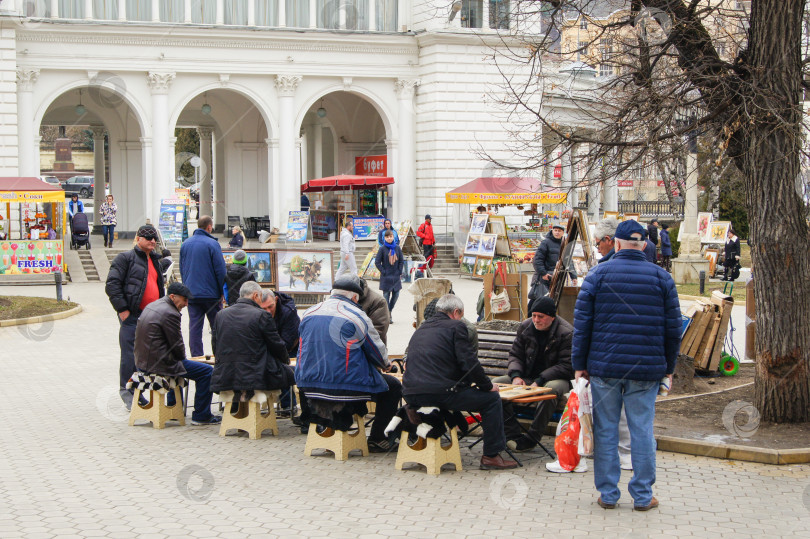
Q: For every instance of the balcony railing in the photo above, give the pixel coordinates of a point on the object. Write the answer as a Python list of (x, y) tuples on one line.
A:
[(354, 15), (647, 208)]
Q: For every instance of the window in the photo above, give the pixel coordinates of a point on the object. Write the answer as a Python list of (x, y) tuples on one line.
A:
[(71, 9), (606, 55), (337, 15), (139, 10), (386, 15), (499, 14), (297, 13), (583, 24), (471, 13), (204, 11), (266, 12), (236, 12)]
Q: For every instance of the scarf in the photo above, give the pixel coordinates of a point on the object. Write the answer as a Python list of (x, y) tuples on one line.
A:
[(392, 253)]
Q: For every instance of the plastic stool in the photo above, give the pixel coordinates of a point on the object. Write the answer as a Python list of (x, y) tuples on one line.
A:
[(429, 453), (156, 410), (251, 416), (339, 442)]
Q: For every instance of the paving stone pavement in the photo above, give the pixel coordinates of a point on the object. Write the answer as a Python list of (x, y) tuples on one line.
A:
[(71, 467)]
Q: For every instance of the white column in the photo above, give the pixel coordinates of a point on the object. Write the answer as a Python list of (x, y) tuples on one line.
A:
[(99, 177), (289, 185), (273, 206), (282, 16), (54, 9), (313, 14), (304, 157), (405, 182), (206, 169), (187, 11), (318, 161), (155, 10), (148, 188), (220, 15), (594, 193), (251, 12), (485, 15), (299, 145), (88, 9), (690, 197), (611, 195), (568, 178), (372, 15), (8, 6), (162, 175), (122, 10), (26, 78)]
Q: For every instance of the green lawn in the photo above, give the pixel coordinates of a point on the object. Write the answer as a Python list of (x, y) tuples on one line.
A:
[(693, 290)]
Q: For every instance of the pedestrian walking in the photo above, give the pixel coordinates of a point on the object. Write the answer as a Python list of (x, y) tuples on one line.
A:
[(638, 307), (347, 261), (134, 281), (390, 261), (425, 233), (666, 248), (73, 207), (108, 211), (202, 269)]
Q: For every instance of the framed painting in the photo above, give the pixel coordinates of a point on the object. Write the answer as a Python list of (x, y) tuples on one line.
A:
[(467, 264), (261, 262), (704, 222), (613, 214), (487, 245), (632, 216), (478, 225), (304, 271), (482, 266), (497, 225), (473, 244), (718, 231)]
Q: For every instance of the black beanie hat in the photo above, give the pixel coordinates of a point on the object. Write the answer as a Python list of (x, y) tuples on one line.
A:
[(544, 305)]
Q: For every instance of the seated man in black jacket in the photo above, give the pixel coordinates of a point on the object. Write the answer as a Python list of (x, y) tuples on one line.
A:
[(440, 370), (250, 354), (540, 356)]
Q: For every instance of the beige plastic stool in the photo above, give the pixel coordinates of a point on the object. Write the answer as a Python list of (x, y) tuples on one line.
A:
[(339, 442), (429, 453), (251, 416), (156, 411)]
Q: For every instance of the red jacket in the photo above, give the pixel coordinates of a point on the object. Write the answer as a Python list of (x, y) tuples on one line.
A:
[(425, 231)]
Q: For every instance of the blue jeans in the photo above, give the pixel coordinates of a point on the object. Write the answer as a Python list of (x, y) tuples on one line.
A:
[(126, 340), (201, 374), (107, 231), (638, 398), (198, 310), (391, 297)]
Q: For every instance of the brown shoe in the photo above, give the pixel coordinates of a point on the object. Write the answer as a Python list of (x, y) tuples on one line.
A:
[(497, 463), (652, 505), (604, 505)]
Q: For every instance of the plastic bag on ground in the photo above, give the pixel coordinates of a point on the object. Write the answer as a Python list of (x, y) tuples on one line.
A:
[(566, 445), (585, 413)]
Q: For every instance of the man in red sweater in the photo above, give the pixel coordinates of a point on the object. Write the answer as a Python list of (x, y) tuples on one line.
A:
[(425, 232)]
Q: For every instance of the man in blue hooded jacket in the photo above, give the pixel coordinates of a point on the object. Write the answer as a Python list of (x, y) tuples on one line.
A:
[(202, 268), (627, 327)]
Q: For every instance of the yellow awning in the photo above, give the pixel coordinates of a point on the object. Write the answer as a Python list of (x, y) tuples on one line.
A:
[(506, 198), (32, 196)]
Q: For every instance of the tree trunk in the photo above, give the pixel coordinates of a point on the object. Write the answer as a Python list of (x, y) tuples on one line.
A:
[(771, 144)]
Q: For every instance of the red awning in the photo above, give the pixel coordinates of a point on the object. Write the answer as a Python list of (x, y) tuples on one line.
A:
[(346, 182), (18, 183)]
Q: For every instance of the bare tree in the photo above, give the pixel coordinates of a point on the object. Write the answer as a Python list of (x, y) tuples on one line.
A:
[(731, 72)]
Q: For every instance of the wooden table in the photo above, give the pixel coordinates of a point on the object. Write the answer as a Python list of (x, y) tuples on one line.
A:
[(511, 392), (208, 360)]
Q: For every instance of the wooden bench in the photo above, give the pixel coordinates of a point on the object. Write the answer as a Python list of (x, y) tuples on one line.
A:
[(493, 351)]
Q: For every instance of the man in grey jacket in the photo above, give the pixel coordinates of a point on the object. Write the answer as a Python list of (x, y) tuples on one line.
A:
[(347, 262)]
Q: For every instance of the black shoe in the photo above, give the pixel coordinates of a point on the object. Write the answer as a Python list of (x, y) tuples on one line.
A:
[(105, 243), (296, 420), (524, 443), (380, 446), (305, 429), (282, 414)]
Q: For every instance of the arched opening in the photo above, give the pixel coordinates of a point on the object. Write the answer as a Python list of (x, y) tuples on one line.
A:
[(229, 134), (344, 133), (91, 141)]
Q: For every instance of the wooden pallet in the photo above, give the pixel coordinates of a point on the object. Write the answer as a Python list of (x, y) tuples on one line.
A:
[(704, 339)]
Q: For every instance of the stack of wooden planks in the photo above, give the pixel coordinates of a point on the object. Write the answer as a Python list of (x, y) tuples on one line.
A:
[(706, 333)]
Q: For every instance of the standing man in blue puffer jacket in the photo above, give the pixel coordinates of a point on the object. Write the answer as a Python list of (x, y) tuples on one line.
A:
[(627, 333)]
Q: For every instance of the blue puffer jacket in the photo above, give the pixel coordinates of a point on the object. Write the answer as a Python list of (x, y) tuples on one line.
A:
[(202, 266), (339, 350), (627, 320)]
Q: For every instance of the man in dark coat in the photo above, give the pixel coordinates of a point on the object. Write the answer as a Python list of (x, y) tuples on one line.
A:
[(134, 281), (731, 255), (376, 308), (540, 357), (159, 349), (390, 261), (236, 274), (545, 261), (666, 248), (652, 231), (202, 268), (250, 354), (649, 251), (440, 370), (627, 335), (285, 314)]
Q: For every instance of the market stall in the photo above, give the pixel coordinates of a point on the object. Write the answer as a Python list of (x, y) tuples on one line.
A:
[(334, 198), (32, 226)]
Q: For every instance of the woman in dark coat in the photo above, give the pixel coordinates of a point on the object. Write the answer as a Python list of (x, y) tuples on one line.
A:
[(666, 248), (731, 255), (390, 261)]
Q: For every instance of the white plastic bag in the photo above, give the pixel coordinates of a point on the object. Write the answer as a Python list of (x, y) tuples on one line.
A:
[(585, 412)]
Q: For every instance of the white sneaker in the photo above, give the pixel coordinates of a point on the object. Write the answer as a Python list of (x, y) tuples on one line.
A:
[(625, 464), (554, 467)]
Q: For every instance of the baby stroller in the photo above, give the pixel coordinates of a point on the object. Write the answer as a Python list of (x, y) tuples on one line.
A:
[(79, 231)]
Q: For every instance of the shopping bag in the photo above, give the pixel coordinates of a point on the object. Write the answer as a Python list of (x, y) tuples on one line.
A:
[(583, 391), (499, 303), (566, 445)]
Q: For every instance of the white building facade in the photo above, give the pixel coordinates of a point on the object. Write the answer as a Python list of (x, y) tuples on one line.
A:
[(280, 91)]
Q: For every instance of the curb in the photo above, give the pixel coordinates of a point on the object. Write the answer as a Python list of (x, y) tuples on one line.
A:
[(42, 318), (733, 452)]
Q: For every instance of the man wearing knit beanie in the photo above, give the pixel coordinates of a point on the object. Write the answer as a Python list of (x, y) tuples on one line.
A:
[(540, 356), (237, 274)]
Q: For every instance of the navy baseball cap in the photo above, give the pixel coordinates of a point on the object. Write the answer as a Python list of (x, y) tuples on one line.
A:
[(630, 230)]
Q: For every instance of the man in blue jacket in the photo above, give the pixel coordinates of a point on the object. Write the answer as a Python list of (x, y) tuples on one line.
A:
[(202, 268), (627, 323), (339, 363)]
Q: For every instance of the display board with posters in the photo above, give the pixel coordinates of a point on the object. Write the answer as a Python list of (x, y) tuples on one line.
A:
[(304, 271), (368, 269), (260, 262), (20, 257), (297, 226), (173, 221), (366, 228)]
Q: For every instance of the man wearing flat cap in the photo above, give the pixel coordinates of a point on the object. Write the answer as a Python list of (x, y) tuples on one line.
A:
[(540, 357), (627, 333), (339, 363), (159, 349), (135, 280)]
